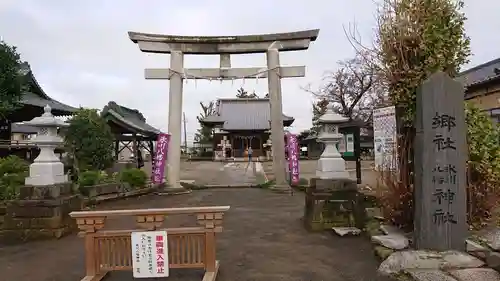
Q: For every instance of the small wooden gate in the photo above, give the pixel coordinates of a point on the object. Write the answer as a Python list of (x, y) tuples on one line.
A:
[(189, 247)]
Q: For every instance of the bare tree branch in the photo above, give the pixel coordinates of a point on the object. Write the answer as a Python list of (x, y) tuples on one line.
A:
[(352, 88)]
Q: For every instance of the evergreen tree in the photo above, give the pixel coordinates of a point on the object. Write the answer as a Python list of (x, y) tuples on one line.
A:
[(11, 79), (204, 133), (319, 108), (243, 94), (89, 141)]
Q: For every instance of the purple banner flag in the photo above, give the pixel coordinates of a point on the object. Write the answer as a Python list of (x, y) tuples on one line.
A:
[(160, 157), (293, 157)]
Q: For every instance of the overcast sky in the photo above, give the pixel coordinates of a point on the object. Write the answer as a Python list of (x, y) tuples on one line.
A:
[(81, 54)]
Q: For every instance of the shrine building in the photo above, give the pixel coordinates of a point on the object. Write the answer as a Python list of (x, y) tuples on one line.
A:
[(134, 137), (482, 87), (240, 123), (15, 136)]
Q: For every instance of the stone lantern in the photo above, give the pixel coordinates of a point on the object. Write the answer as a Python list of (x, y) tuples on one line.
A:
[(330, 164), (269, 150), (47, 168)]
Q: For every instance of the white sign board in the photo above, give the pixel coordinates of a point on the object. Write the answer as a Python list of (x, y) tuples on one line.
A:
[(341, 147), (385, 138), (349, 142), (150, 254)]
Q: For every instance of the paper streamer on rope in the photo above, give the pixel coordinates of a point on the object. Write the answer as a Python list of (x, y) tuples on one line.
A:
[(257, 75)]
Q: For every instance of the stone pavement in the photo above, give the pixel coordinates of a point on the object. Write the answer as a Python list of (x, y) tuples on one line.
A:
[(307, 170), (263, 240), (219, 173)]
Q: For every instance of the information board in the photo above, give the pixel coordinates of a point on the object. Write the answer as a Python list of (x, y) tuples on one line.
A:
[(150, 254), (385, 138)]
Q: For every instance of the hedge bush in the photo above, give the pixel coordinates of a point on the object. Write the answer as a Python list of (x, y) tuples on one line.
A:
[(13, 171), (91, 178), (136, 178), (483, 192)]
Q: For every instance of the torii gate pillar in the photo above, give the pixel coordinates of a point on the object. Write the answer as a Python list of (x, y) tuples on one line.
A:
[(277, 131), (175, 119), (271, 44)]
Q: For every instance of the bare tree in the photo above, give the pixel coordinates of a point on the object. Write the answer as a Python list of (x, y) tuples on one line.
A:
[(353, 88), (412, 40)]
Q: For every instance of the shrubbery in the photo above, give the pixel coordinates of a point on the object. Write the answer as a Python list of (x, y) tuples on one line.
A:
[(483, 192), (90, 178), (135, 178), (13, 171)]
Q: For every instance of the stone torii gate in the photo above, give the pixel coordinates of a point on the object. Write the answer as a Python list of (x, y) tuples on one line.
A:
[(177, 46)]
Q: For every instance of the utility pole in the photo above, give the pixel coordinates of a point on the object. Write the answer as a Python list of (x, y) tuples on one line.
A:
[(185, 132)]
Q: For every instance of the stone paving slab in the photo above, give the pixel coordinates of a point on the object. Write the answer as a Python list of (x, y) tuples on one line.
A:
[(476, 274), (429, 275), (307, 170), (219, 173)]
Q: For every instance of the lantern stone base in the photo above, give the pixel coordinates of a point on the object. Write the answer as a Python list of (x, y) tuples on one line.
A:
[(320, 184), (331, 168), (333, 203), (44, 192), (46, 173), (282, 189), (42, 212)]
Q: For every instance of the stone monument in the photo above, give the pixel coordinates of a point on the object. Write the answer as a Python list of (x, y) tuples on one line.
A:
[(440, 165), (225, 46), (46, 200), (331, 165), (47, 168)]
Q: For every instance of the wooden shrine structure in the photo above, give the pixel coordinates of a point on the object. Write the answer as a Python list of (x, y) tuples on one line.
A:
[(225, 46), (240, 123), (131, 131)]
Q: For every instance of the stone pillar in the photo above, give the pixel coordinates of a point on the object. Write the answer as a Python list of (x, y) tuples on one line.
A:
[(277, 131), (175, 119)]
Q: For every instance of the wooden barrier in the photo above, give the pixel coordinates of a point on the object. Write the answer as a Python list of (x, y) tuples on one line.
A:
[(188, 247)]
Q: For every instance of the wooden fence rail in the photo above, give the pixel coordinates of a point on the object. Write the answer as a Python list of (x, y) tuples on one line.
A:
[(188, 247)]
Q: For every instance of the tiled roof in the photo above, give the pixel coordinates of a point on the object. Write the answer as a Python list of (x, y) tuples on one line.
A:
[(57, 107), (479, 74), (131, 118), (244, 114), (23, 129), (36, 96)]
